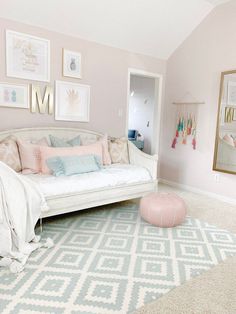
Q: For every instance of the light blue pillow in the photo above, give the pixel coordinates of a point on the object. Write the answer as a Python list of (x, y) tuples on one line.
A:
[(58, 142), (56, 166), (70, 165)]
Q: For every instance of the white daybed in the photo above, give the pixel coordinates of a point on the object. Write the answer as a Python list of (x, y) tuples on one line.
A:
[(115, 183)]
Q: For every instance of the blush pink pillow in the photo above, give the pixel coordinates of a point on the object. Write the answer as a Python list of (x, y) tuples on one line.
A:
[(30, 155), (105, 152), (49, 152)]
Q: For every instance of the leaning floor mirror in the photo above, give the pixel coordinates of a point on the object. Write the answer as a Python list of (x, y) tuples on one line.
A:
[(225, 142)]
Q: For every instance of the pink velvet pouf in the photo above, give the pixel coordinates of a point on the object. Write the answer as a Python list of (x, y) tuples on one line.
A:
[(164, 210)]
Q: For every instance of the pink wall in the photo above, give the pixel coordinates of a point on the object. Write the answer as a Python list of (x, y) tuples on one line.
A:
[(105, 69), (196, 67)]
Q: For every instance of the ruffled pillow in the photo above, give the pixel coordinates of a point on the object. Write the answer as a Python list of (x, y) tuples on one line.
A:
[(70, 165)]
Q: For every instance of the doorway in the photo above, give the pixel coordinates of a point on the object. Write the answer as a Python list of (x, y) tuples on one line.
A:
[(144, 109)]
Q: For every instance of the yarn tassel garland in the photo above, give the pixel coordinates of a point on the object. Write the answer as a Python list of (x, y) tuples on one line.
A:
[(174, 143), (194, 143)]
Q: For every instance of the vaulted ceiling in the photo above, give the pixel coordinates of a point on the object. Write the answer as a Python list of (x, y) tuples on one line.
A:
[(151, 27)]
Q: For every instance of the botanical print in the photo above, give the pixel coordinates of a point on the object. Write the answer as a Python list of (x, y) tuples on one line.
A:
[(15, 96), (71, 64), (72, 101), (27, 56)]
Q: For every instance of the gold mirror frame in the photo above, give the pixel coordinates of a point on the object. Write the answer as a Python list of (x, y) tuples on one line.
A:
[(223, 74)]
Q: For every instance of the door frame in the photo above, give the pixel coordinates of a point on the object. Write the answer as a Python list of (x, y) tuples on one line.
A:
[(157, 104)]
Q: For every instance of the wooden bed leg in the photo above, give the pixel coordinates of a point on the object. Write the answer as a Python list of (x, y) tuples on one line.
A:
[(41, 224)]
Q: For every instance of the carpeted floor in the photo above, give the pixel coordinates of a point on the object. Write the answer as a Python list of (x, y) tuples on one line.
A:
[(213, 292), (93, 268)]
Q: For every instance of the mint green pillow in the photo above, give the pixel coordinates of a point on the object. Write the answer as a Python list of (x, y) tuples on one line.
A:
[(58, 142), (69, 165)]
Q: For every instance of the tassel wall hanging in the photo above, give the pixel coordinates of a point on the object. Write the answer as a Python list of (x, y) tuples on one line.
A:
[(185, 128)]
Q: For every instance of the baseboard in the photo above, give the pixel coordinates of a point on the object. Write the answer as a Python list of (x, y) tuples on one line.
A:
[(199, 191)]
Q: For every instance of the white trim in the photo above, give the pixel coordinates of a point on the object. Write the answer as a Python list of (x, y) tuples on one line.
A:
[(199, 191), (158, 100)]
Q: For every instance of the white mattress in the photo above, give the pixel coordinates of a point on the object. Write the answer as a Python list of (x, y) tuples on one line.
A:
[(110, 176)]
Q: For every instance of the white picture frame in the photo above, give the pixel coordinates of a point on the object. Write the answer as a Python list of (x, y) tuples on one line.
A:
[(14, 95), (72, 101), (27, 56), (72, 64)]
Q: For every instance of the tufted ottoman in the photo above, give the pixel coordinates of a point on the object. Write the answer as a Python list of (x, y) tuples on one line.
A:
[(163, 209)]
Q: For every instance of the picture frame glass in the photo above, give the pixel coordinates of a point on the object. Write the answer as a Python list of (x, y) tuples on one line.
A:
[(14, 96), (27, 57), (72, 101), (72, 64)]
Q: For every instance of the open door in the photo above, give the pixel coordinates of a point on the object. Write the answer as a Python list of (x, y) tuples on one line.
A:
[(144, 95)]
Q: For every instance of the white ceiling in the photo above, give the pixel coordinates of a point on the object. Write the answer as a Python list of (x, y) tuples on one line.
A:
[(150, 27), (217, 2)]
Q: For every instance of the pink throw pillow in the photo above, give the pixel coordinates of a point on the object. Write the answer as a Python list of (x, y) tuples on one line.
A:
[(48, 152), (30, 155), (105, 150), (9, 153)]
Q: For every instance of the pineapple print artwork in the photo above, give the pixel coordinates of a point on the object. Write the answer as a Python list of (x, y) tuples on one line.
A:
[(73, 101)]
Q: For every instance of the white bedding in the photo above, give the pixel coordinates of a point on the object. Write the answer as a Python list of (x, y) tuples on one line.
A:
[(110, 176)]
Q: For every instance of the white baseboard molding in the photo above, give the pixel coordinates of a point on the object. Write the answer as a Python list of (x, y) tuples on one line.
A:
[(199, 191)]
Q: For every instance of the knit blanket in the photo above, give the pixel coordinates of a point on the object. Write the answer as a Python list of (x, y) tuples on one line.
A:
[(21, 205)]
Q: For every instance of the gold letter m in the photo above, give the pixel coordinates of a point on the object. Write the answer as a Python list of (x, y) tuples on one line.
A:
[(42, 104)]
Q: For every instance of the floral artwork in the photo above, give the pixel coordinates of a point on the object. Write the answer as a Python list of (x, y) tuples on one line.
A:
[(28, 57), (15, 96), (72, 101), (72, 64)]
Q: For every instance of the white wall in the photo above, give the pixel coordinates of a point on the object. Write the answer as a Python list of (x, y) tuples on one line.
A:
[(104, 68), (141, 108), (196, 68)]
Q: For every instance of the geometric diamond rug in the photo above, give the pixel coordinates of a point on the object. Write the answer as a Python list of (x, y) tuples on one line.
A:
[(108, 260)]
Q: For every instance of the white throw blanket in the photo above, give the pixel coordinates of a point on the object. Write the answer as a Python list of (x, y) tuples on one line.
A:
[(21, 204)]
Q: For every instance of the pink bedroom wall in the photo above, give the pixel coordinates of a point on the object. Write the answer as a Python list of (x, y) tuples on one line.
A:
[(195, 68), (104, 68)]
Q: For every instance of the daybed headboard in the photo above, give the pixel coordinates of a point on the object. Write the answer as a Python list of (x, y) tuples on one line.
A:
[(38, 133)]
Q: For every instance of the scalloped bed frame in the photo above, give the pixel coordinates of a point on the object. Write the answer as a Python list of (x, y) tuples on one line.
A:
[(66, 203)]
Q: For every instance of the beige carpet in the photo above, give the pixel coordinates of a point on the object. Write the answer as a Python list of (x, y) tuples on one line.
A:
[(213, 292)]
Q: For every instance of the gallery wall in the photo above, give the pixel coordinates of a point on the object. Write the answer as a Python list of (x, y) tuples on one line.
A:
[(195, 68), (104, 68)]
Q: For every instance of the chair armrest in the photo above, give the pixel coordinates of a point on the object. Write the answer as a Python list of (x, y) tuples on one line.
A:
[(139, 158)]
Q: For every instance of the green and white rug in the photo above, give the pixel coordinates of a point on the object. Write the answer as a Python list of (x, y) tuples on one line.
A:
[(108, 260)]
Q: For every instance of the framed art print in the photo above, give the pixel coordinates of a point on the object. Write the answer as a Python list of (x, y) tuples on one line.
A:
[(71, 64), (27, 57), (72, 101), (14, 95)]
